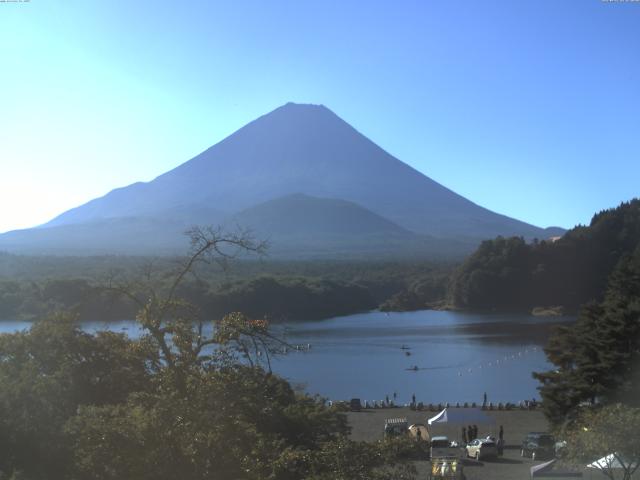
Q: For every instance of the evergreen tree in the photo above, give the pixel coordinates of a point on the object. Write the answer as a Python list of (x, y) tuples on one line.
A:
[(596, 357), (511, 274)]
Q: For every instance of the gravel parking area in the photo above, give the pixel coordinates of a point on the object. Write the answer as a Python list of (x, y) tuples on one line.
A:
[(368, 425)]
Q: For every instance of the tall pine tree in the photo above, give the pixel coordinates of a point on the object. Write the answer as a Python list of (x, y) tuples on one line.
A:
[(597, 358)]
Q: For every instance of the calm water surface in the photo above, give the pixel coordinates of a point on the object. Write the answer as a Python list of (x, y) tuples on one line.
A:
[(459, 355)]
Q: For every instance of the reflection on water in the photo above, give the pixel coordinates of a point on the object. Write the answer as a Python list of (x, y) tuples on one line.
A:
[(438, 356)]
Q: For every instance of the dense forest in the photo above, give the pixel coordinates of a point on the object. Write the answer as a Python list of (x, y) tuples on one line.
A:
[(81, 406), (106, 406), (30, 287), (504, 274), (597, 357), (591, 396), (511, 274)]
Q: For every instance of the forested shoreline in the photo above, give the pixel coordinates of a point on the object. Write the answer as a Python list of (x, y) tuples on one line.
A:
[(502, 275), (105, 406), (31, 287), (80, 405), (509, 274)]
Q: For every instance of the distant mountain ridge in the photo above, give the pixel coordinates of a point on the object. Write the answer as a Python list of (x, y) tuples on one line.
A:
[(295, 149), (300, 214)]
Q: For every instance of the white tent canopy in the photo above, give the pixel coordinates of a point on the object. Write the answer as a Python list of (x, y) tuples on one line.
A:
[(547, 470), (537, 470), (610, 461), (462, 416)]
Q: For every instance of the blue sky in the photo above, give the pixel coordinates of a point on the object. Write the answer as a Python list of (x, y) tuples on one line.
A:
[(529, 108)]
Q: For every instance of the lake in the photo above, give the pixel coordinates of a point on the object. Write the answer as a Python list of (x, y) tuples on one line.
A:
[(459, 355)]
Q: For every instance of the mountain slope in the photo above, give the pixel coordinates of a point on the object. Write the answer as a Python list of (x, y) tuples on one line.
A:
[(296, 226), (307, 149), (304, 149), (124, 235), (299, 225), (300, 214)]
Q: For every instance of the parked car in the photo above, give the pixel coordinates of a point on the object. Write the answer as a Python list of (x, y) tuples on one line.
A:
[(538, 446), (481, 448), (355, 404), (440, 447)]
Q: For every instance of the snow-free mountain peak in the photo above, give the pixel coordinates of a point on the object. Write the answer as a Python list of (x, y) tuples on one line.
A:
[(306, 149)]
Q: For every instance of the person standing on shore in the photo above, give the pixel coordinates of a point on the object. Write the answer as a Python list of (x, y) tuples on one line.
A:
[(464, 435), (413, 398), (475, 432), (484, 399), (501, 441), (470, 433)]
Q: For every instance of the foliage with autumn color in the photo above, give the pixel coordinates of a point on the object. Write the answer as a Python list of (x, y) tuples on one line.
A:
[(610, 432), (174, 403)]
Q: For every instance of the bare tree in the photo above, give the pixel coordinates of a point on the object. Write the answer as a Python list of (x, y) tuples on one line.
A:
[(175, 328)]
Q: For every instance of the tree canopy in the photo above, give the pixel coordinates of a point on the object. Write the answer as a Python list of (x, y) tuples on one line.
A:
[(596, 359), (511, 274), (173, 403), (609, 433)]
